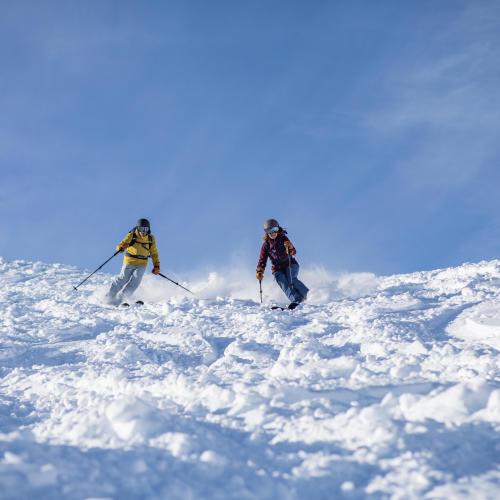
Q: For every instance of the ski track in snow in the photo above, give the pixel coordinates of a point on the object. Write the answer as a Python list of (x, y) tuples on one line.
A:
[(378, 387)]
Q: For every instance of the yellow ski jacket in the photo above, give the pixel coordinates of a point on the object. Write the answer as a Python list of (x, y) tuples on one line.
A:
[(138, 253)]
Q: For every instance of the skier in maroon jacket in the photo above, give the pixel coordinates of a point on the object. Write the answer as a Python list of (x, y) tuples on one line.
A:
[(285, 268)]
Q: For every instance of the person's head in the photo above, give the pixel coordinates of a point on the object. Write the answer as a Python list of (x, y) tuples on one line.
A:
[(143, 227), (271, 228)]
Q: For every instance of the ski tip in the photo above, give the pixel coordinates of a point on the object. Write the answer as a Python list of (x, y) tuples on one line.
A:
[(290, 307), (126, 304)]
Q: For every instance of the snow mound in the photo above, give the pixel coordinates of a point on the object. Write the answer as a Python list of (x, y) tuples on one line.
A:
[(377, 387), (479, 323)]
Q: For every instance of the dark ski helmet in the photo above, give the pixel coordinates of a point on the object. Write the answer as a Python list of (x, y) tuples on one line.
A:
[(144, 223), (269, 224)]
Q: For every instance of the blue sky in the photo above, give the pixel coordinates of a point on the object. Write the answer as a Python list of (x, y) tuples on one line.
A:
[(368, 129)]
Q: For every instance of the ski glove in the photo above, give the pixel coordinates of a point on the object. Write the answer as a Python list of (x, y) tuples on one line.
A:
[(289, 248), (123, 247), (156, 270), (260, 273)]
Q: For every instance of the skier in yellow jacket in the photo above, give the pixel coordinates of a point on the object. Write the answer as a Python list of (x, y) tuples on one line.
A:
[(140, 244)]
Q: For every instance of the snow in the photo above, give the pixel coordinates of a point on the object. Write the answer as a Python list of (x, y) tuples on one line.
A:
[(377, 387)]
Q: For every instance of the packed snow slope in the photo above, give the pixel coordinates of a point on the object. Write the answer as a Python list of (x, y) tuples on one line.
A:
[(377, 387)]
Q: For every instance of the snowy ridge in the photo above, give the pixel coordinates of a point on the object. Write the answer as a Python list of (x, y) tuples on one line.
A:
[(378, 387)]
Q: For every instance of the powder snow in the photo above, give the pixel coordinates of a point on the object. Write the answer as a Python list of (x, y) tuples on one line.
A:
[(376, 387)]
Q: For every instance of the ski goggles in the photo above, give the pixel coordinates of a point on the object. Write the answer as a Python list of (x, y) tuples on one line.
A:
[(274, 229), (143, 229)]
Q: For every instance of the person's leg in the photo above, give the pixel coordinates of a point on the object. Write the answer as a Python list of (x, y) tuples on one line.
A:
[(134, 282), (118, 283), (284, 283), (300, 289)]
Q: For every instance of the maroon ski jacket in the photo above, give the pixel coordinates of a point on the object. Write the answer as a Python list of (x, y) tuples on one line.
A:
[(276, 251)]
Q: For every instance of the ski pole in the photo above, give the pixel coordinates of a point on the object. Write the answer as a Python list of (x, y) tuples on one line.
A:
[(260, 284), (175, 282), (290, 268), (81, 283)]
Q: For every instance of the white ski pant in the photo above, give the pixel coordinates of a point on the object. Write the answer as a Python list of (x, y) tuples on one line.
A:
[(126, 283)]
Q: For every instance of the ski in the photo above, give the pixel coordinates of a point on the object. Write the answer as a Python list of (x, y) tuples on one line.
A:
[(290, 307), (126, 304)]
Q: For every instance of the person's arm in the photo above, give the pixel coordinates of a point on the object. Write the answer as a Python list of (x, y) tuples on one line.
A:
[(289, 248), (154, 256), (125, 242), (261, 265)]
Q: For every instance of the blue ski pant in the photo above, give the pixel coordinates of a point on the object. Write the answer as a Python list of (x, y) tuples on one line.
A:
[(294, 289), (126, 283)]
